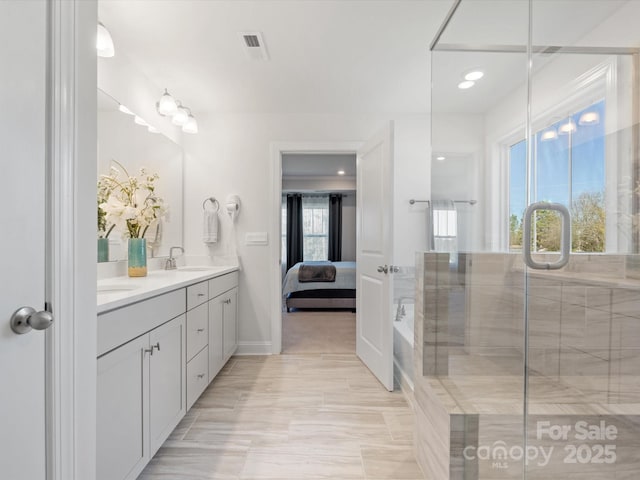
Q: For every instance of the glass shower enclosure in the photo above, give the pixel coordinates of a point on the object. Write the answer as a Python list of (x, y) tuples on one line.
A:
[(528, 324)]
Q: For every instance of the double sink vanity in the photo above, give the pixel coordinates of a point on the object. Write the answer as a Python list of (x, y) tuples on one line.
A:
[(161, 340)]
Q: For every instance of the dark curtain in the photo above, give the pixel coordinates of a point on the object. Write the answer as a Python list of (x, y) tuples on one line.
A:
[(335, 227), (294, 229)]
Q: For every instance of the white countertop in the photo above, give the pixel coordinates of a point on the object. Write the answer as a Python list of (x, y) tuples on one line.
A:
[(118, 292)]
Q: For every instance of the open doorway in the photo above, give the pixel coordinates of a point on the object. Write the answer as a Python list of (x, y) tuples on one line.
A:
[(318, 252)]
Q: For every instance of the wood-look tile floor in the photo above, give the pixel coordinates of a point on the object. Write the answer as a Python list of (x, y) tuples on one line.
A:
[(292, 417)]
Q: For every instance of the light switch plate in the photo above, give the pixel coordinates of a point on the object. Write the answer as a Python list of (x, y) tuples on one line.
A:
[(256, 238)]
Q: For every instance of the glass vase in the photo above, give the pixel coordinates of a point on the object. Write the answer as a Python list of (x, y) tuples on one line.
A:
[(137, 257), (103, 250)]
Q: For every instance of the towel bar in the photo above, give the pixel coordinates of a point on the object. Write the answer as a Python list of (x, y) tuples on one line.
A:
[(213, 201)]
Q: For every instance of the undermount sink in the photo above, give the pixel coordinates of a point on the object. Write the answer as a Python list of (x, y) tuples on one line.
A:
[(195, 269), (116, 288)]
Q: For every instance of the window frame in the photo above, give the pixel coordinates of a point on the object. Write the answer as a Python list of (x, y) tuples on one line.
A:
[(599, 83)]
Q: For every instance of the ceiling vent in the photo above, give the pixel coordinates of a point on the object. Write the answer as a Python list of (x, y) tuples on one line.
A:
[(254, 46)]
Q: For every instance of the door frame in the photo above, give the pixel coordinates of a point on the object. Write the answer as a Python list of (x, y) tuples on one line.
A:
[(71, 343), (277, 150)]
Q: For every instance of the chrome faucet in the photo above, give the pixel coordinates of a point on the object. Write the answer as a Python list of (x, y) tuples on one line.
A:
[(400, 311), (171, 261)]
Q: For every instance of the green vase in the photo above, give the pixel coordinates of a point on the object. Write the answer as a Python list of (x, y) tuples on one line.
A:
[(103, 250), (137, 257)]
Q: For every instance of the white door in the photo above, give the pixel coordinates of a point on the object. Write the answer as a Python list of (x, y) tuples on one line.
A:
[(374, 327), (23, 30)]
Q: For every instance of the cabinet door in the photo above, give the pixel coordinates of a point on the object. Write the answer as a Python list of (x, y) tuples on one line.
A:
[(230, 323), (167, 375), (122, 416), (215, 336)]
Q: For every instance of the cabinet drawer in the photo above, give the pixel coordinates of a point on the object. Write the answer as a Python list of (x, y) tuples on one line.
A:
[(197, 376), (120, 326), (222, 284), (197, 329), (197, 294)]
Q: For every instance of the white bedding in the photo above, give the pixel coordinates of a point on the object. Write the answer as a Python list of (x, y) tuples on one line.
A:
[(345, 279)]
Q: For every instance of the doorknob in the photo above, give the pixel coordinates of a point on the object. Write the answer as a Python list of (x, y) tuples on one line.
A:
[(26, 318), (394, 268), (383, 269)]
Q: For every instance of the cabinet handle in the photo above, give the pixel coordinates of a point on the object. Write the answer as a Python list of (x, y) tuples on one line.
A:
[(200, 330), (153, 347), (201, 294), (227, 301), (201, 375)]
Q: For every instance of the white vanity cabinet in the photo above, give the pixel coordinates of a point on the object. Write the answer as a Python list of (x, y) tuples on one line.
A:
[(223, 321), (156, 355), (140, 393)]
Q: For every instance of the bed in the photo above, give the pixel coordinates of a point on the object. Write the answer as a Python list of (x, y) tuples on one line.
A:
[(337, 294)]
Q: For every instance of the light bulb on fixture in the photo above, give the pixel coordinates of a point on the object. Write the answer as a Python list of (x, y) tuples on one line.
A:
[(340, 172), (140, 121), (589, 118), (181, 116), (166, 105), (191, 126), (440, 158), (567, 128), (152, 129), (466, 84), (549, 134), (104, 42), (124, 109)]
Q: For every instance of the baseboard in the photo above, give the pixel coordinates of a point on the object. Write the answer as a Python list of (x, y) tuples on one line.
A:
[(254, 348), (404, 382)]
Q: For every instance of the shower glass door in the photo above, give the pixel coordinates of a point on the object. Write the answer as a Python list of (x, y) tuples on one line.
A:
[(530, 346)]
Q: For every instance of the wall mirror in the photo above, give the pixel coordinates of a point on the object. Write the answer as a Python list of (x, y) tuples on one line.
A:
[(134, 146)]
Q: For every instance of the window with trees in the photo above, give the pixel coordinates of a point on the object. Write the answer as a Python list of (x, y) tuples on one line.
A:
[(567, 167)]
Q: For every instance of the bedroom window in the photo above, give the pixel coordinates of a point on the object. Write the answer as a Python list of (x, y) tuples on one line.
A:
[(568, 167), (315, 227)]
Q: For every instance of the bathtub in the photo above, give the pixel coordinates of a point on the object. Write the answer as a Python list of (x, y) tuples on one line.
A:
[(403, 347)]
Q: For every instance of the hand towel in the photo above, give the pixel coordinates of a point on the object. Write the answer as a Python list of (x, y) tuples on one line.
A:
[(210, 226)]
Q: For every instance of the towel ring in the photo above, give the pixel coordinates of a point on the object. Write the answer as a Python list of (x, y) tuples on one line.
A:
[(213, 201)]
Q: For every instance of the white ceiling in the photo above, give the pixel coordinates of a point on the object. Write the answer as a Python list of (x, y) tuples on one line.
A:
[(345, 56), (318, 165), (326, 56)]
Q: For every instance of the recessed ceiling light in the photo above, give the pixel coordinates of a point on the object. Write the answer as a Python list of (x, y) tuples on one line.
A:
[(340, 172), (567, 128), (474, 75), (466, 84), (549, 134), (589, 118), (440, 158)]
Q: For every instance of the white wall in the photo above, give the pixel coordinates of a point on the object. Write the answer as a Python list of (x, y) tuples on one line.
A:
[(411, 180), (232, 154)]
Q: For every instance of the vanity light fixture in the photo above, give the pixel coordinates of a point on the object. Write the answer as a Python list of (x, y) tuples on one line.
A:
[(104, 42), (567, 128), (166, 106), (181, 117), (589, 118), (191, 126), (340, 172), (464, 85)]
